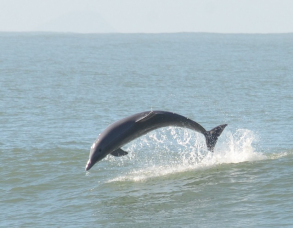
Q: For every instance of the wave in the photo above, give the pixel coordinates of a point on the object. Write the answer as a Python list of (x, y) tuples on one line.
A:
[(175, 150)]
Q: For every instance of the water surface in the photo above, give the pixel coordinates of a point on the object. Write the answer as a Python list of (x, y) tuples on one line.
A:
[(59, 91)]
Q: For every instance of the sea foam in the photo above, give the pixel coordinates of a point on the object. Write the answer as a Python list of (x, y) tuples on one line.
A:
[(175, 150)]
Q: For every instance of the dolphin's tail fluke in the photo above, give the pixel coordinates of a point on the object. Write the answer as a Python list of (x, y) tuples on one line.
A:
[(212, 136)]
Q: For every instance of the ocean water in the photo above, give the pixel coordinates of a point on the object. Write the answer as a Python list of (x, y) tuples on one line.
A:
[(59, 91)]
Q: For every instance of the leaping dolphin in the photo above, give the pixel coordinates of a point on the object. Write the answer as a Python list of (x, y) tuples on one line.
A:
[(125, 130)]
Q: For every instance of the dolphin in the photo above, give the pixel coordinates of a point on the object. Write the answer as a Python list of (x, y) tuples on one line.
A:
[(125, 130)]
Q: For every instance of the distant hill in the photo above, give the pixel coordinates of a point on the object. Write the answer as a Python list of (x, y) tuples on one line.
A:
[(78, 22)]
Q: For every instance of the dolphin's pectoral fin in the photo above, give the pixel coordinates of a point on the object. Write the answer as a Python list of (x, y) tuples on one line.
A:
[(119, 152), (145, 118)]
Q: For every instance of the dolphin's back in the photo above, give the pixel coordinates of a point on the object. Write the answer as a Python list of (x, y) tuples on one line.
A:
[(148, 121)]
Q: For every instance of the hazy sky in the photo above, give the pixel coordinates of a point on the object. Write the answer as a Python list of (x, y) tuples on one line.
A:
[(147, 16)]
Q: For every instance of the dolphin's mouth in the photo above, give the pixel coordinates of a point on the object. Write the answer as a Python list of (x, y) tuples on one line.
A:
[(88, 165)]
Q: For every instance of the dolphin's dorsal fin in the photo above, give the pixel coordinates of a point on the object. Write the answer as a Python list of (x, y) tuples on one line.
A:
[(119, 152), (146, 117)]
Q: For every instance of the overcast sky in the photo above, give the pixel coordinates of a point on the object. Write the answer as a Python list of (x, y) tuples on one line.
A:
[(147, 16)]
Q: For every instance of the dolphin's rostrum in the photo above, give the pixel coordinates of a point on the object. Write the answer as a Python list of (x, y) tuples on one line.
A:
[(123, 131)]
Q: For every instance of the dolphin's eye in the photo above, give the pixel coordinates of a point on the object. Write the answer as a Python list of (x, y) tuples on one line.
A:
[(100, 150)]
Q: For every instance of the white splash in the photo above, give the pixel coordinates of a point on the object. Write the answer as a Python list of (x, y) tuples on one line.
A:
[(175, 150), (237, 147)]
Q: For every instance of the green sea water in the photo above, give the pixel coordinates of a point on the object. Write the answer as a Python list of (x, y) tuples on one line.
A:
[(59, 91)]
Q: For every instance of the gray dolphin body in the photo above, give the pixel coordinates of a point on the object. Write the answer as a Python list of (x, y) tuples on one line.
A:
[(123, 131)]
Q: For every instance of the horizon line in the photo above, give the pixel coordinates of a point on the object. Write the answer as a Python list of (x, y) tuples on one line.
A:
[(150, 33)]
